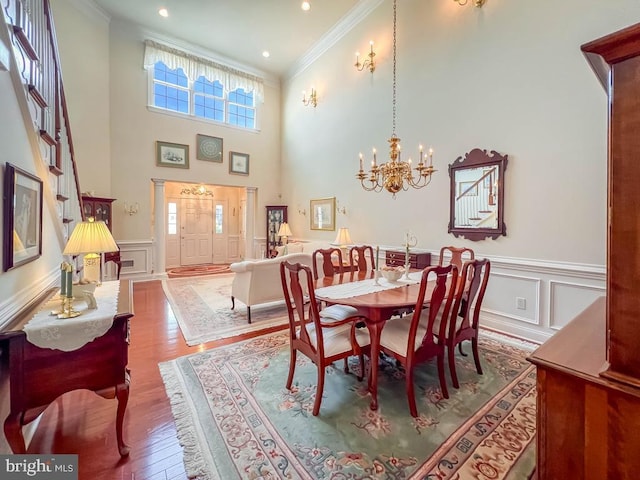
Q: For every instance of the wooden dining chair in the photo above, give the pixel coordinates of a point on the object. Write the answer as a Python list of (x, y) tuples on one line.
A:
[(412, 340), (455, 256), (464, 325), (323, 344), (361, 258), (326, 258)]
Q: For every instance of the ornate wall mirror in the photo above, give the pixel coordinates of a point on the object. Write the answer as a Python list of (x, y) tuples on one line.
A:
[(477, 195)]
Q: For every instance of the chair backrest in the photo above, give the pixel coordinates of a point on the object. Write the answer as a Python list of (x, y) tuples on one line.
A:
[(446, 278), (298, 288), (469, 295), (457, 255), (358, 256), (326, 257)]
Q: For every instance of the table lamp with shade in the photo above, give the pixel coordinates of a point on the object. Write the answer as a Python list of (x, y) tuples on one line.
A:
[(91, 238), (283, 232), (343, 239)]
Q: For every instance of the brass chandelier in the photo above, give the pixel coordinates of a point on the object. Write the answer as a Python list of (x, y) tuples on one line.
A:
[(396, 175)]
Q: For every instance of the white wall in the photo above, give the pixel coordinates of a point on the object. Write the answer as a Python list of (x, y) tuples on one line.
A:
[(508, 77), (135, 129), (83, 42)]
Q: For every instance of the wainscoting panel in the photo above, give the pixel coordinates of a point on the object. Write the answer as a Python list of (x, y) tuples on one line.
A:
[(568, 299), (506, 292), (136, 257)]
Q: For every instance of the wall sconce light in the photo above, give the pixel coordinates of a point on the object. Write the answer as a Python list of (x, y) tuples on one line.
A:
[(368, 62), (342, 210), (477, 3), (131, 209), (302, 211), (311, 99)]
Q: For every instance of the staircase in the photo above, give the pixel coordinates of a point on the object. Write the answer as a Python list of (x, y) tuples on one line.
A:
[(34, 66), (476, 204)]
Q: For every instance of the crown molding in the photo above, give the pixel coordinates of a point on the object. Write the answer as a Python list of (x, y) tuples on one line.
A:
[(358, 13), (91, 9)]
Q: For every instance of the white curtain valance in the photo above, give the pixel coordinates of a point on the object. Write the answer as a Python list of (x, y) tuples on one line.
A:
[(194, 67)]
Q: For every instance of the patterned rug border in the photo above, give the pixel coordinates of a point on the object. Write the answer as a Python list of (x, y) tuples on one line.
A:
[(193, 339), (443, 463)]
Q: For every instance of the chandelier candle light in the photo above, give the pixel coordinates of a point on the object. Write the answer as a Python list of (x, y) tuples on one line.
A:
[(393, 174)]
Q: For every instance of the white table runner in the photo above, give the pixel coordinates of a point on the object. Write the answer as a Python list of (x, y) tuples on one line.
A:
[(48, 331), (362, 287)]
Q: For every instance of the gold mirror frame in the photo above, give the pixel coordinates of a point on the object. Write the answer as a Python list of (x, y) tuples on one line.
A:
[(477, 195)]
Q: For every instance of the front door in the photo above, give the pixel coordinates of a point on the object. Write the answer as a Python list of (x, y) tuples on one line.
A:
[(196, 231)]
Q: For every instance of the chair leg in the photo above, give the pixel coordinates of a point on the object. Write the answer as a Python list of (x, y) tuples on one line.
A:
[(319, 389), (233, 302), (249, 314), (451, 350), (443, 381), (476, 355), (292, 368), (413, 409), (460, 350), (346, 364)]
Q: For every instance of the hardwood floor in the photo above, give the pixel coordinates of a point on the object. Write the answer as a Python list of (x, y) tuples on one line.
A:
[(84, 423)]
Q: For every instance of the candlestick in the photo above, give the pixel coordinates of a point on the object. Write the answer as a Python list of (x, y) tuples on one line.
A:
[(63, 278), (374, 157), (361, 162), (377, 258), (68, 281), (430, 157)]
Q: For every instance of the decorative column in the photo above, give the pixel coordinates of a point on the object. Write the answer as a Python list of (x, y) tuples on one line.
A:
[(159, 228), (250, 227)]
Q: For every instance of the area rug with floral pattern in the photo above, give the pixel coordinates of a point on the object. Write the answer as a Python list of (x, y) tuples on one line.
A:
[(236, 420), (202, 307)]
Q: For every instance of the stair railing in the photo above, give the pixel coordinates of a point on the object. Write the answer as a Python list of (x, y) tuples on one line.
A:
[(477, 201)]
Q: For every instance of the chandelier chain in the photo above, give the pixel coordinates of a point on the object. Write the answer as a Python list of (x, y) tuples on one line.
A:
[(394, 68)]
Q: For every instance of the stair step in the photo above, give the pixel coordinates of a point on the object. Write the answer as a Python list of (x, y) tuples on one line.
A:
[(67, 220), (475, 218), (55, 170), (37, 96), (61, 198), (47, 138), (485, 211)]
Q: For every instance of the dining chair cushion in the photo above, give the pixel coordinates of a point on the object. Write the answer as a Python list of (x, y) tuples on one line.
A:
[(337, 313), (395, 335), (338, 339)]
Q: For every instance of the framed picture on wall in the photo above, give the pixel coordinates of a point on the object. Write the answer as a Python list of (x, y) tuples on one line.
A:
[(173, 155), (22, 217), (323, 214), (209, 148), (239, 163)]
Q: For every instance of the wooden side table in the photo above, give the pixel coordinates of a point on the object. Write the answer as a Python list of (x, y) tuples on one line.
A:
[(37, 376)]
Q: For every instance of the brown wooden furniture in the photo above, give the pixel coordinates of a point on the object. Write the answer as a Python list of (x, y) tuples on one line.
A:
[(375, 309), (412, 339), (457, 256), (37, 376), (326, 258), (465, 314), (101, 208), (589, 373), (276, 216), (323, 344), (361, 258), (395, 258)]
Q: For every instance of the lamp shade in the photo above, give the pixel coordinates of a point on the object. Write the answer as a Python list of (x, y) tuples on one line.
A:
[(90, 237), (343, 237), (284, 230)]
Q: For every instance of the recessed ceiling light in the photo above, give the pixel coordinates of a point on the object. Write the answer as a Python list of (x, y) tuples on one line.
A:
[(266, 54), (305, 6), (163, 12)]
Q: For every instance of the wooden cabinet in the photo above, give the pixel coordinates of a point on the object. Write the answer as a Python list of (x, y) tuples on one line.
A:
[(100, 208), (416, 260), (588, 412), (276, 216)]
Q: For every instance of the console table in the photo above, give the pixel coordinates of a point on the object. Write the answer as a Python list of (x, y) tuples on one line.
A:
[(37, 375)]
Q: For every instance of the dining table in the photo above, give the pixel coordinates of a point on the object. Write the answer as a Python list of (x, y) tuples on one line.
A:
[(376, 299)]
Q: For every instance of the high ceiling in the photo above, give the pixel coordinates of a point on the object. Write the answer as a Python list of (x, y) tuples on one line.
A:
[(238, 29)]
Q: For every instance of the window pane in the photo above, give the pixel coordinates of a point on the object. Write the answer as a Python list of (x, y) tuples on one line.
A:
[(219, 218), (172, 207)]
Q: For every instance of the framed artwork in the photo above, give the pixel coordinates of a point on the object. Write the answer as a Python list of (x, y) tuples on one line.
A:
[(22, 217), (173, 155), (209, 148), (323, 214), (239, 163)]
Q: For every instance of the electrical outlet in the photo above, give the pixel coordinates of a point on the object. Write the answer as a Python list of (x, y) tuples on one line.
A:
[(521, 303)]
